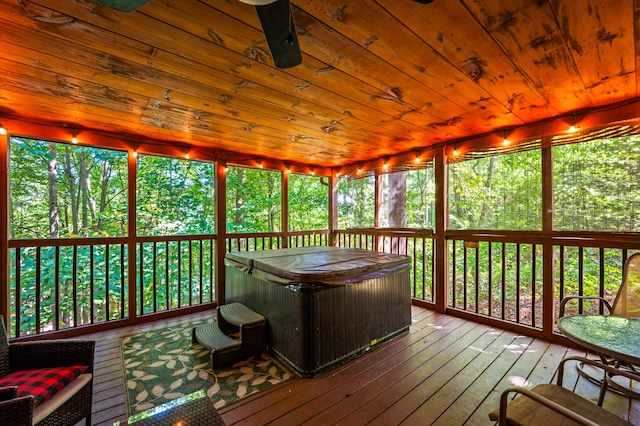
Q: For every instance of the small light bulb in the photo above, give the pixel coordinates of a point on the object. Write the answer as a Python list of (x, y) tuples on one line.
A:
[(417, 160), (505, 142), (3, 131), (74, 140), (359, 170), (455, 151), (261, 166), (186, 156), (135, 154), (385, 166), (572, 129), (313, 172)]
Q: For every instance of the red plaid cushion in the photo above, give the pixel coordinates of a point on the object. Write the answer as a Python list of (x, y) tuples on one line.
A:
[(42, 383)]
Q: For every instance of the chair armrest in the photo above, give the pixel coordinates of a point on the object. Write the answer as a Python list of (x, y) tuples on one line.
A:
[(7, 393), (51, 353), (17, 411), (567, 299), (502, 420)]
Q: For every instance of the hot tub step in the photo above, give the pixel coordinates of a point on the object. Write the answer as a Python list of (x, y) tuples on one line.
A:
[(211, 337), (233, 318), (238, 314)]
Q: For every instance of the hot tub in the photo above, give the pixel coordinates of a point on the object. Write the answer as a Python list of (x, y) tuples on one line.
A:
[(324, 305)]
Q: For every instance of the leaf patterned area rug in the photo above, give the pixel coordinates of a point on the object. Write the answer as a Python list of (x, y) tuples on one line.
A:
[(161, 365)]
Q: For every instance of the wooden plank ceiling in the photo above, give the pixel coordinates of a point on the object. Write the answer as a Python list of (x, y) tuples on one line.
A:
[(378, 77)]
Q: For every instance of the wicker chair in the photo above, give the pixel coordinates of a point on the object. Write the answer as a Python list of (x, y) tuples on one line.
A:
[(68, 406)]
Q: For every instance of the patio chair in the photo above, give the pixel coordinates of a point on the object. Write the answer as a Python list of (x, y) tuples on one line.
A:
[(627, 301), (46, 382), (552, 404), (626, 304)]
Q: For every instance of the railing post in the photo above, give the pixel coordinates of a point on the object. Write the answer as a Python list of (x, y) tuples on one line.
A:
[(441, 252), (548, 298), (221, 229)]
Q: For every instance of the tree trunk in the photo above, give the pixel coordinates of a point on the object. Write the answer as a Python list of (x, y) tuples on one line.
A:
[(239, 204), (106, 176), (398, 207), (88, 204), (72, 191), (272, 207), (53, 193)]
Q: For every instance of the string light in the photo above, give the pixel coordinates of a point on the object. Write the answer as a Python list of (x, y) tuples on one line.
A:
[(505, 141), (313, 172), (455, 152), (3, 131), (260, 165), (186, 156), (135, 154), (359, 169), (74, 139), (385, 166), (573, 128), (417, 159)]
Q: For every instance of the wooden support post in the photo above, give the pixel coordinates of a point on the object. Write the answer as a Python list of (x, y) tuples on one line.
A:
[(132, 235), (441, 245), (284, 217), (548, 298), (4, 229), (377, 220), (221, 229), (333, 209)]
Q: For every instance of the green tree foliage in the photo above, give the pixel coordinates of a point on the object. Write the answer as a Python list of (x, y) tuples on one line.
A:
[(356, 198), (253, 200), (174, 196), (308, 203), (90, 195), (596, 185), (497, 193)]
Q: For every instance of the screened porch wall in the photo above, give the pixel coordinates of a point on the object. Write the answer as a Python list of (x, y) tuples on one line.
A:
[(456, 271)]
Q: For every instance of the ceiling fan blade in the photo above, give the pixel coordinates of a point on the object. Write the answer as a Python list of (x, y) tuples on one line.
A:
[(123, 5), (280, 31)]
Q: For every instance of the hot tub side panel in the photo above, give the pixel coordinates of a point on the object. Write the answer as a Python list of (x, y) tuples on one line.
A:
[(315, 328)]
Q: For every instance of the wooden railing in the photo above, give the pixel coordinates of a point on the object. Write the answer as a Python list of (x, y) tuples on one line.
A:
[(501, 275), (416, 243), (56, 284), (60, 284)]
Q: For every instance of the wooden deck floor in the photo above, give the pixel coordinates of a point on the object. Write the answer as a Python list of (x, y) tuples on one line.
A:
[(445, 371)]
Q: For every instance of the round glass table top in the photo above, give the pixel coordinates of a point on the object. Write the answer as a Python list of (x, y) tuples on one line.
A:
[(618, 337)]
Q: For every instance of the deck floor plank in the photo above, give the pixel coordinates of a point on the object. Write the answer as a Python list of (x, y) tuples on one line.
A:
[(444, 371)]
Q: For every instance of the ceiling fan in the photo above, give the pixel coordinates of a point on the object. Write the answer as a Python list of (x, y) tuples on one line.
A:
[(276, 20)]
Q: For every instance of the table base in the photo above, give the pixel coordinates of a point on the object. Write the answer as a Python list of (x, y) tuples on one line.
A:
[(614, 383)]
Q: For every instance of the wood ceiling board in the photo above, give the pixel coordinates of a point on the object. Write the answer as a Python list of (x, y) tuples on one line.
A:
[(270, 97), (241, 39), (380, 98), (387, 38), (600, 37), (528, 33), (451, 31), (258, 108)]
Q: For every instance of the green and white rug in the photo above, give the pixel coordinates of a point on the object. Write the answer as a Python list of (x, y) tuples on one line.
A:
[(161, 365)]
